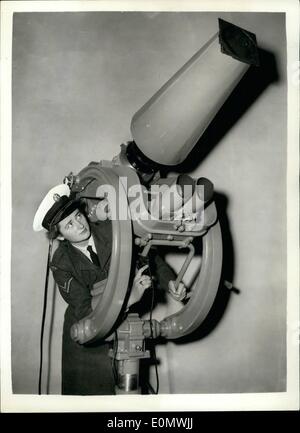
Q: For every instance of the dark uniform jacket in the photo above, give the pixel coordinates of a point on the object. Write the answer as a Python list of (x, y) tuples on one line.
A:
[(87, 369)]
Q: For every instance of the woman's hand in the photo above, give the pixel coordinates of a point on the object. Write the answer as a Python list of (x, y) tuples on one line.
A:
[(178, 294), (140, 284)]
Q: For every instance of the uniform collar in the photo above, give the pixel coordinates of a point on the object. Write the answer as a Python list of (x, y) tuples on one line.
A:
[(102, 238)]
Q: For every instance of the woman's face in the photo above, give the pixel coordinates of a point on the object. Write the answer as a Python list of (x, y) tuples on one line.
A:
[(75, 227)]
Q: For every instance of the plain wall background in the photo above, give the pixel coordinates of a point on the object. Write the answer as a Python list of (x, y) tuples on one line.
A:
[(78, 78)]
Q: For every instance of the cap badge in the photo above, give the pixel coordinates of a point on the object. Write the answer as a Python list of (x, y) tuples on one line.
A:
[(56, 197)]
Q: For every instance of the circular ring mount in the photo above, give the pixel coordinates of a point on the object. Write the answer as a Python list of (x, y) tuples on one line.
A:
[(100, 323)]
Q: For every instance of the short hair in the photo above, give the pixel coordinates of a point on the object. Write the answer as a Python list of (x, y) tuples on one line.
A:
[(53, 232)]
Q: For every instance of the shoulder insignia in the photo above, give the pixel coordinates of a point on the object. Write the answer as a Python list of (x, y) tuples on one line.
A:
[(66, 286)]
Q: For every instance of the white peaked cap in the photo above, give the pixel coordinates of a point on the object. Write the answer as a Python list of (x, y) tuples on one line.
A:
[(49, 200)]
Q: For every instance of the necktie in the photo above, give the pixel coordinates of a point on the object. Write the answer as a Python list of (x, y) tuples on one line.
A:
[(93, 255)]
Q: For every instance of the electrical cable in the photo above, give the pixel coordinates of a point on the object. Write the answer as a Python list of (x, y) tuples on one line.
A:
[(152, 338), (44, 315), (114, 361)]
